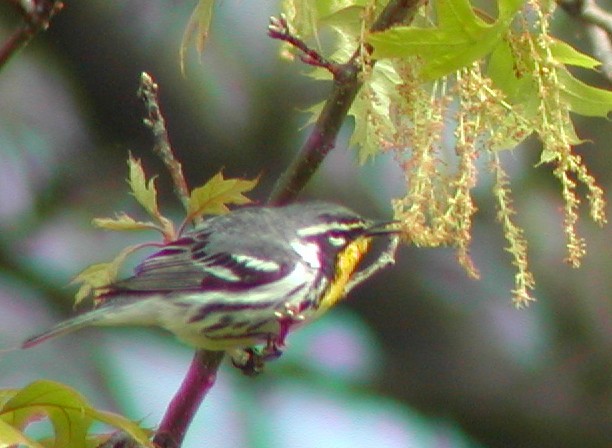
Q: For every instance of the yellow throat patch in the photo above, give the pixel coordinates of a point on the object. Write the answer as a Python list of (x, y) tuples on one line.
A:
[(346, 264)]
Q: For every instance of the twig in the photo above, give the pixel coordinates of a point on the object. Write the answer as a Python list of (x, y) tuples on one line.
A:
[(37, 15), (279, 29), (183, 407), (347, 83), (598, 26), (148, 91)]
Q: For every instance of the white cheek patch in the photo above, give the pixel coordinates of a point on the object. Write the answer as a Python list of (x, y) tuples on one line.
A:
[(309, 252)]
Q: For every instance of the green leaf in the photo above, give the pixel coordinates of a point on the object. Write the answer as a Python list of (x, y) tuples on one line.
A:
[(139, 434), (347, 20), (582, 98), (371, 110), (307, 16), (303, 15), (566, 54), (501, 69), (144, 192), (196, 29), (326, 8), (6, 395), (94, 278), (69, 413), (213, 197), (10, 436), (122, 222), (460, 38)]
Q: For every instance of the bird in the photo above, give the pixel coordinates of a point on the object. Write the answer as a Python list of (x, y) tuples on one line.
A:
[(239, 280)]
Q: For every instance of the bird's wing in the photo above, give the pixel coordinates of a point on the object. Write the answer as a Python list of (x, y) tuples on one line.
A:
[(200, 261)]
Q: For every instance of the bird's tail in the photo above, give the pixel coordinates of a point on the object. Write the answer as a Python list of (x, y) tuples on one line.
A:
[(127, 312), (67, 326)]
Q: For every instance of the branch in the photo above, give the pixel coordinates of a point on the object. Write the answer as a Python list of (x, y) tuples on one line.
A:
[(186, 402), (598, 26), (279, 29), (148, 91), (347, 83), (36, 15)]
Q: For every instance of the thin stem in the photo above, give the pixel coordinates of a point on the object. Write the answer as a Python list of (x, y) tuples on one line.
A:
[(148, 91), (279, 29)]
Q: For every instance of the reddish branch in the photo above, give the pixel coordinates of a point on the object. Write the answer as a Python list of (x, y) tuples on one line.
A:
[(279, 29), (186, 402), (36, 17)]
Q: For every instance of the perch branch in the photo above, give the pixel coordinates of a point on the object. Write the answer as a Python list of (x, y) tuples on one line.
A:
[(185, 403)]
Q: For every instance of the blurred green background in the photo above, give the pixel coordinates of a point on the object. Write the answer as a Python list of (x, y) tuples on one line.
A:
[(420, 356)]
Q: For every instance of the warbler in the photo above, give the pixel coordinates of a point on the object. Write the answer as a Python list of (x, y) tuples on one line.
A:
[(241, 279)]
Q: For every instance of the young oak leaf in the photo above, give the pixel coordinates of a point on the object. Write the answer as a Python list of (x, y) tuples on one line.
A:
[(96, 277), (213, 197), (69, 413), (566, 54), (10, 436), (460, 38), (122, 222), (146, 194)]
